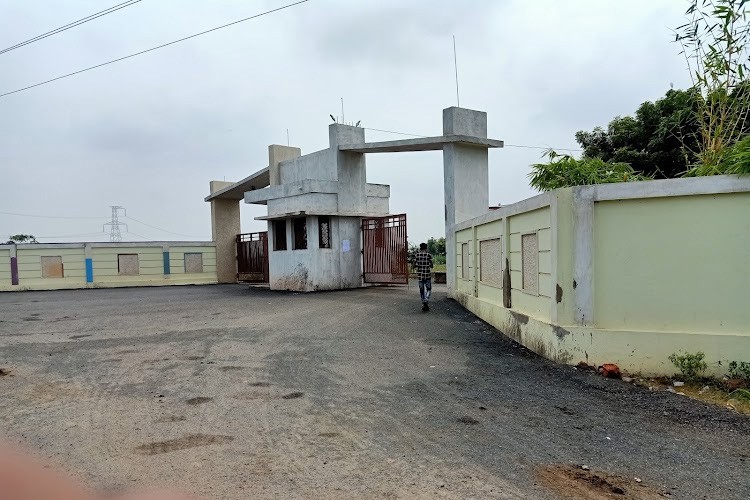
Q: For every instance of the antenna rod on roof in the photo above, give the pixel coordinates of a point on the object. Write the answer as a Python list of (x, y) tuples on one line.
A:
[(287, 137), (343, 120), (455, 65)]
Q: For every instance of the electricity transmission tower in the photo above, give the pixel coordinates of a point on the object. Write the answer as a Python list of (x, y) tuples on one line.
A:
[(114, 224)]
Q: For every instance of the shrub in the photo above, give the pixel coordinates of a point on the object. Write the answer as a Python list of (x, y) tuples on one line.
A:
[(739, 369), (566, 171), (690, 365)]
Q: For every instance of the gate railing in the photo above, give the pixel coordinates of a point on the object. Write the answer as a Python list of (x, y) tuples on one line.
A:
[(252, 257), (385, 250)]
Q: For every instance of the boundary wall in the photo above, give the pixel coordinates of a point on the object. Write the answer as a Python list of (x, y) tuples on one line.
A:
[(625, 273)]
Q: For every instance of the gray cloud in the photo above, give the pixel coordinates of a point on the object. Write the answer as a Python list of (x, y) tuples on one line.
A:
[(150, 132)]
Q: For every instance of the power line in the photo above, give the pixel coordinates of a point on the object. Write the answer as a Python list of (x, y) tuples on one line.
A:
[(137, 235), (68, 235), (154, 48), (47, 216), (71, 25), (158, 228), (539, 147), (505, 145), (393, 132)]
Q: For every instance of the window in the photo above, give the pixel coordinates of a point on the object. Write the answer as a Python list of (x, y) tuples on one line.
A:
[(127, 264), (491, 262), (193, 263), (279, 234), (300, 233), (530, 263), (52, 267), (465, 261), (324, 231)]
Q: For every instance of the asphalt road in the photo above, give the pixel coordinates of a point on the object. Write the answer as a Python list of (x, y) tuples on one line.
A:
[(234, 393)]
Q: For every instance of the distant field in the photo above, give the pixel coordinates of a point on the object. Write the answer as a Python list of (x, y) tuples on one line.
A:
[(438, 268)]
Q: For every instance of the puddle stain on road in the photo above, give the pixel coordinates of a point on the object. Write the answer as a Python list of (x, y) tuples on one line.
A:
[(199, 400), (293, 395), (183, 443)]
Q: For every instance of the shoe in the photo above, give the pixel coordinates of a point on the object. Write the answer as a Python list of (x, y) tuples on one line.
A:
[(425, 307)]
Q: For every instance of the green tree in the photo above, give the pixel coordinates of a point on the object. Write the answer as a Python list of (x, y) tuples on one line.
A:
[(436, 246), (21, 238), (658, 141)]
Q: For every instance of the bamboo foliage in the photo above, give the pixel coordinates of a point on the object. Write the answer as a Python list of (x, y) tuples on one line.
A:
[(715, 43), (565, 171)]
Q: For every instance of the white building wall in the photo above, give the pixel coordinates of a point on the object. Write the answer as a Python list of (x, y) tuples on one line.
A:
[(320, 165), (317, 268)]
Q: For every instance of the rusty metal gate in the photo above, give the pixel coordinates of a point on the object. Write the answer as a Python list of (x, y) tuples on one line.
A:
[(252, 257), (384, 250)]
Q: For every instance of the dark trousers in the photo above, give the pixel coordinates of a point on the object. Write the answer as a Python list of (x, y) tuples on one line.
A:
[(425, 289)]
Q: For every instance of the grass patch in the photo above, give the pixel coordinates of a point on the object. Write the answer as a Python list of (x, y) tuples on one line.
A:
[(705, 390)]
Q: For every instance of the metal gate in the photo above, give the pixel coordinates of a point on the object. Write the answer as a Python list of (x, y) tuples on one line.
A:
[(252, 257), (384, 250)]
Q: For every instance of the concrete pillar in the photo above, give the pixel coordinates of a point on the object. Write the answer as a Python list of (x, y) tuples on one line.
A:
[(563, 230), (225, 226), (466, 178), (350, 168), (277, 154)]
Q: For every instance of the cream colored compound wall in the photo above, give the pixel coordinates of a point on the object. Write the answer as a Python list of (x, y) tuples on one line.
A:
[(625, 273), (490, 237), (5, 279), (534, 301), (673, 264), (90, 265), (177, 263), (106, 264), (30, 268)]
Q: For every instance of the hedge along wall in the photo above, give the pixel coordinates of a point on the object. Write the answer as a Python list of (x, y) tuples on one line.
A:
[(87, 265)]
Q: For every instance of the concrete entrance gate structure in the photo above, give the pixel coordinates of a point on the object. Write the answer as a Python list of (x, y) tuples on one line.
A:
[(330, 185)]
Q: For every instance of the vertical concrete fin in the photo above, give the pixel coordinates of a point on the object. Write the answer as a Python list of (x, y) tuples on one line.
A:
[(225, 226), (466, 177), (276, 155), (351, 169)]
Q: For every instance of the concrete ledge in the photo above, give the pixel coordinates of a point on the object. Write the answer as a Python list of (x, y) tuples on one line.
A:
[(236, 191), (103, 244), (303, 213), (378, 190), (643, 352), (421, 144), (291, 189)]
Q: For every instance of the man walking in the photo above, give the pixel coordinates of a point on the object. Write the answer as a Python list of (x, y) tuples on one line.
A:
[(423, 265)]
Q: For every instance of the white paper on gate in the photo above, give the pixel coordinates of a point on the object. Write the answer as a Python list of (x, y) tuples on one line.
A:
[(345, 246)]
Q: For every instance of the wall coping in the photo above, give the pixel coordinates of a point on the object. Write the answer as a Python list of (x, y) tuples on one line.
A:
[(662, 188), (527, 205), (129, 244)]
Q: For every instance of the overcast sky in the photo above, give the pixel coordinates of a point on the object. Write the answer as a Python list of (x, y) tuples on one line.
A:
[(149, 133)]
